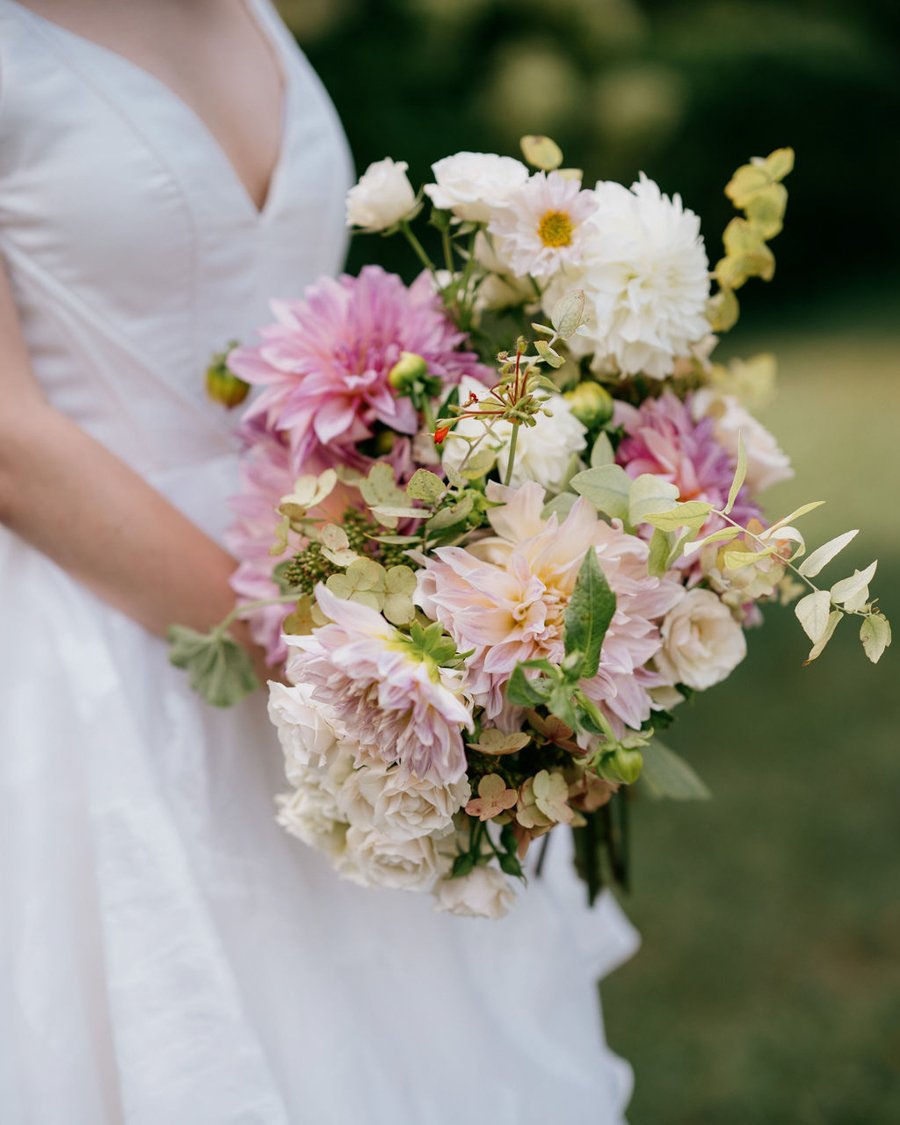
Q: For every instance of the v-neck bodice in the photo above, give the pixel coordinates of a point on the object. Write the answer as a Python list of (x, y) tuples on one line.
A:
[(133, 247)]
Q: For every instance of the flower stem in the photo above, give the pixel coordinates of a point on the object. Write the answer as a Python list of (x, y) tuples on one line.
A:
[(417, 246), (514, 437), (240, 611)]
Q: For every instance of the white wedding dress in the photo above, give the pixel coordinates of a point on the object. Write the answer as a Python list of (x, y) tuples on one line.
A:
[(168, 956)]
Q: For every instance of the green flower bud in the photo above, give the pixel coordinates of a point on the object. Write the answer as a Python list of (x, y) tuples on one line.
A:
[(591, 404), (407, 371), (626, 764), (222, 385)]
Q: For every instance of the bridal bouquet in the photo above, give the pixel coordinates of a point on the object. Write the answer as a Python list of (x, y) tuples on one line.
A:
[(501, 522)]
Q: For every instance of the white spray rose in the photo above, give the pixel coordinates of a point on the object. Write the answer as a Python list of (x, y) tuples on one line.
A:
[(305, 729), (484, 893), (382, 197), (311, 812), (474, 184), (543, 452), (702, 643), (375, 796), (767, 464), (373, 860)]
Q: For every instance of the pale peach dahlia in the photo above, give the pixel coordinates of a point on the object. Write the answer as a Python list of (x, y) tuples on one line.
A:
[(392, 705), (505, 597)]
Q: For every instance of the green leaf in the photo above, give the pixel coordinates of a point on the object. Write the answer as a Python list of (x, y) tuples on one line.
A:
[(602, 452), (737, 560), (449, 517), (220, 670), (875, 634), (667, 774), (425, 485), (588, 614), (658, 561), (692, 514), (803, 510), (723, 310), (541, 152), (607, 487), (650, 495), (547, 354), (560, 703), (560, 505), (853, 592), (818, 648), (812, 613), (821, 557), (740, 474), (522, 691), (568, 313), (509, 865)]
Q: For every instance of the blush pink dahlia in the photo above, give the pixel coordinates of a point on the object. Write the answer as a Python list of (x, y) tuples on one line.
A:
[(663, 438), (506, 597), (324, 365), (394, 706), (265, 476)]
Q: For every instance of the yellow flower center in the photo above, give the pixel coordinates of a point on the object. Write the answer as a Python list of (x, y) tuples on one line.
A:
[(555, 229)]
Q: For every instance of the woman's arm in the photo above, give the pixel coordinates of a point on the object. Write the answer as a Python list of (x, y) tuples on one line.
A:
[(72, 499)]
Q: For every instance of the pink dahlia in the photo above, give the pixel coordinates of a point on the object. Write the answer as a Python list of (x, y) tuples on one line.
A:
[(266, 475), (663, 438), (505, 598), (394, 706), (324, 365)]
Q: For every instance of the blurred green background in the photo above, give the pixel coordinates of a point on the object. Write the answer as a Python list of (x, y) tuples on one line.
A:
[(768, 986)]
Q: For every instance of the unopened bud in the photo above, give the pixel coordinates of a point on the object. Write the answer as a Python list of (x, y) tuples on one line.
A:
[(591, 404), (627, 764), (407, 371), (222, 385)]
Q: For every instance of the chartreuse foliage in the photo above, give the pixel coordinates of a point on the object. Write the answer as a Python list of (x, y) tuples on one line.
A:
[(757, 190)]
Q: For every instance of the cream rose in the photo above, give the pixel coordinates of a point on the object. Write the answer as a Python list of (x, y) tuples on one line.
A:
[(373, 860), (767, 464), (375, 796), (702, 643), (311, 812), (474, 184), (485, 893), (304, 728), (383, 196)]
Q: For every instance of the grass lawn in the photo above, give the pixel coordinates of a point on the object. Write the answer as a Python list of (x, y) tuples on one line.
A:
[(768, 986)]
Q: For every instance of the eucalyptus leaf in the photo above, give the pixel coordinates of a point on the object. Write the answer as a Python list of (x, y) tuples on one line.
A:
[(812, 613), (650, 495), (740, 474), (602, 452), (607, 487), (667, 774), (875, 634), (818, 648), (821, 557)]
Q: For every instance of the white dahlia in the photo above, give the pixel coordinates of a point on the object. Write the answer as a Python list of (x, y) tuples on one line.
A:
[(646, 277)]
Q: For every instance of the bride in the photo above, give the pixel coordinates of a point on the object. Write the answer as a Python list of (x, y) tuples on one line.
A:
[(167, 954)]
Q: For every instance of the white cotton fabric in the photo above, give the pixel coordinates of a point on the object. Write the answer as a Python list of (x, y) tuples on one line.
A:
[(167, 953)]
